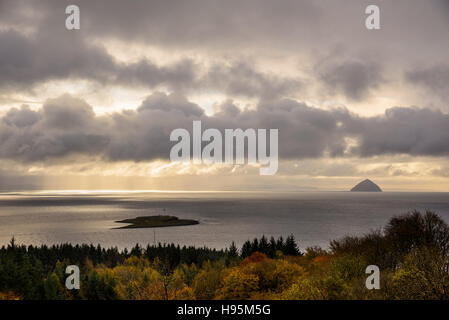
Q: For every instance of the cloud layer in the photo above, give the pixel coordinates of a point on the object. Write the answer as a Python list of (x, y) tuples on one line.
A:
[(322, 40), (341, 96), (68, 126), (25, 62)]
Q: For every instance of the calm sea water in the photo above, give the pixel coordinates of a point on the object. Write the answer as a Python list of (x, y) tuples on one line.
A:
[(314, 218)]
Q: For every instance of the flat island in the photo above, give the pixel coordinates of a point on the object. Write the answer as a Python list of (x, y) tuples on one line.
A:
[(155, 222)]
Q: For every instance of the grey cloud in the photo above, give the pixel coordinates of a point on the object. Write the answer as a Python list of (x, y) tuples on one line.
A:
[(196, 23), (219, 24), (401, 130), (355, 79), (241, 79), (144, 73), (63, 127), (234, 25), (144, 134), (169, 103), (67, 113), (232, 28), (23, 117), (434, 79), (29, 60), (67, 126)]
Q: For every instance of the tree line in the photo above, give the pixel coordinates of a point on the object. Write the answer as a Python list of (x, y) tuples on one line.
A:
[(411, 251), (29, 270)]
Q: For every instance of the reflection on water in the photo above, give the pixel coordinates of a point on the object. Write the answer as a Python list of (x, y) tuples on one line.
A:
[(313, 218)]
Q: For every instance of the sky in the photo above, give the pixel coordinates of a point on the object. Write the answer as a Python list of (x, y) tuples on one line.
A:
[(93, 108)]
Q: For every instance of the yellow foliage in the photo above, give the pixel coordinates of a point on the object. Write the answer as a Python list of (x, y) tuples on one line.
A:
[(9, 296), (206, 283), (302, 289), (238, 285), (273, 274), (185, 293)]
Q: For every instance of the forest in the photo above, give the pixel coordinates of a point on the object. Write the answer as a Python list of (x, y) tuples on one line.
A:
[(411, 251)]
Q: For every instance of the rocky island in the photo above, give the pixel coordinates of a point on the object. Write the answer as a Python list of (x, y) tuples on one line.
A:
[(155, 222), (366, 186)]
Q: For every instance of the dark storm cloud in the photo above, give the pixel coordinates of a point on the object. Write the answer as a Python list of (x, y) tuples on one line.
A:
[(68, 126)]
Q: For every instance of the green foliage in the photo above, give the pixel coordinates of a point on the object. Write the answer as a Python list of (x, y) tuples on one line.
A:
[(423, 275), (53, 289), (99, 286), (207, 282)]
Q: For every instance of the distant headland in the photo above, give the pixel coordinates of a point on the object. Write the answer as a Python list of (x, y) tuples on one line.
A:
[(366, 186), (155, 222)]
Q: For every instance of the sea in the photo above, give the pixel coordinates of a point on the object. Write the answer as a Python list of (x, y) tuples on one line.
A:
[(313, 218)]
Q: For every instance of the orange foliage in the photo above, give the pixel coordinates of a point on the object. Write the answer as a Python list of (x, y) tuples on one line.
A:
[(9, 296), (256, 257), (321, 260)]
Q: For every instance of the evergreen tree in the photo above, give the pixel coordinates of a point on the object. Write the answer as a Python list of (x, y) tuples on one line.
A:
[(291, 248), (246, 249), (263, 245), (233, 251), (272, 248)]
